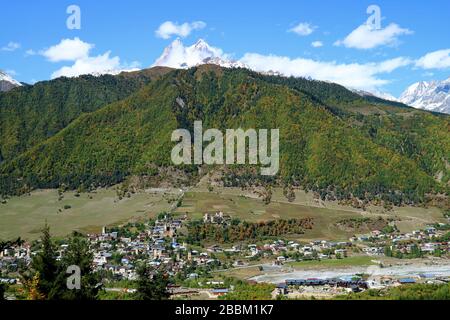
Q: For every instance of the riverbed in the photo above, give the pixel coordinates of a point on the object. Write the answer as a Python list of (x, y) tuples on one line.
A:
[(398, 271)]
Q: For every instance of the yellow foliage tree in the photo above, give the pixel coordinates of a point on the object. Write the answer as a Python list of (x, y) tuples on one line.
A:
[(31, 287)]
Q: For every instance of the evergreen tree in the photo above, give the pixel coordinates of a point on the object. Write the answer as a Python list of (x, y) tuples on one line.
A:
[(388, 251), (152, 285), (79, 254), (3, 245), (45, 265), (2, 291)]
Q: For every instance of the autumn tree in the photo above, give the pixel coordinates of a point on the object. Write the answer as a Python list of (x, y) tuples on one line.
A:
[(31, 287)]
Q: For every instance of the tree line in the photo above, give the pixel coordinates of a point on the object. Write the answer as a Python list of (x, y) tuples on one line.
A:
[(238, 230)]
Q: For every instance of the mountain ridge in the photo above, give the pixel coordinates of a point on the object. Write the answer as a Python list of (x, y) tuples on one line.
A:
[(176, 55), (31, 114), (333, 141)]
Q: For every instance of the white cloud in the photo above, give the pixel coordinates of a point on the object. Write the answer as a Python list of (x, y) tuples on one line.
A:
[(303, 29), (390, 65), (68, 50), (176, 55), (364, 76), (366, 37), (11, 46), (435, 60), (169, 29), (317, 44), (88, 65), (354, 75), (78, 52)]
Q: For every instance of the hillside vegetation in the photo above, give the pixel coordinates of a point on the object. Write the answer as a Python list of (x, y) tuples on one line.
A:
[(31, 114), (331, 140)]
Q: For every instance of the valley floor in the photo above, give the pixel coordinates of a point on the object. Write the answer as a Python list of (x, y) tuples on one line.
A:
[(88, 212)]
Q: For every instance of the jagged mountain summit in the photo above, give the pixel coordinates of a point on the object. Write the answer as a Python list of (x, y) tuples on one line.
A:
[(7, 82), (428, 95), (178, 56)]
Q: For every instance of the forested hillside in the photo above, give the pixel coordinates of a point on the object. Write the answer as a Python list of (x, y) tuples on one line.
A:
[(331, 140), (32, 114)]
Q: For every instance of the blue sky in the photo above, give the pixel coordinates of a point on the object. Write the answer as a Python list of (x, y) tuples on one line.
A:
[(415, 46)]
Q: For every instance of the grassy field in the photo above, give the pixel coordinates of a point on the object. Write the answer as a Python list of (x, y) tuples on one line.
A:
[(25, 216), (246, 206), (195, 204), (241, 273)]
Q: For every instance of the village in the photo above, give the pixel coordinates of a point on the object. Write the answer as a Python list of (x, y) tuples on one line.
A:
[(194, 269)]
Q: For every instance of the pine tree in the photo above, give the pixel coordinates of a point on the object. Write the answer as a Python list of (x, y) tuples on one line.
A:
[(2, 291), (152, 285), (79, 254), (45, 266)]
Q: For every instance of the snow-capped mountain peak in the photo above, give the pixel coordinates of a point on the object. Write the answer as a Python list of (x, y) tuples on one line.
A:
[(176, 55), (375, 93), (418, 88), (202, 45), (428, 95), (7, 82)]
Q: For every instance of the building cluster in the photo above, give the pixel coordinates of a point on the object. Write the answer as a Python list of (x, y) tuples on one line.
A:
[(156, 246), (329, 287), (13, 258), (428, 241), (217, 218), (119, 251)]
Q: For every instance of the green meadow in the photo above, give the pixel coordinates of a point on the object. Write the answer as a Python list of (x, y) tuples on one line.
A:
[(25, 216), (246, 206)]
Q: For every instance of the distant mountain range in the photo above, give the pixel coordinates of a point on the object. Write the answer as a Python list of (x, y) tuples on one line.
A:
[(432, 96), (426, 95), (7, 82)]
